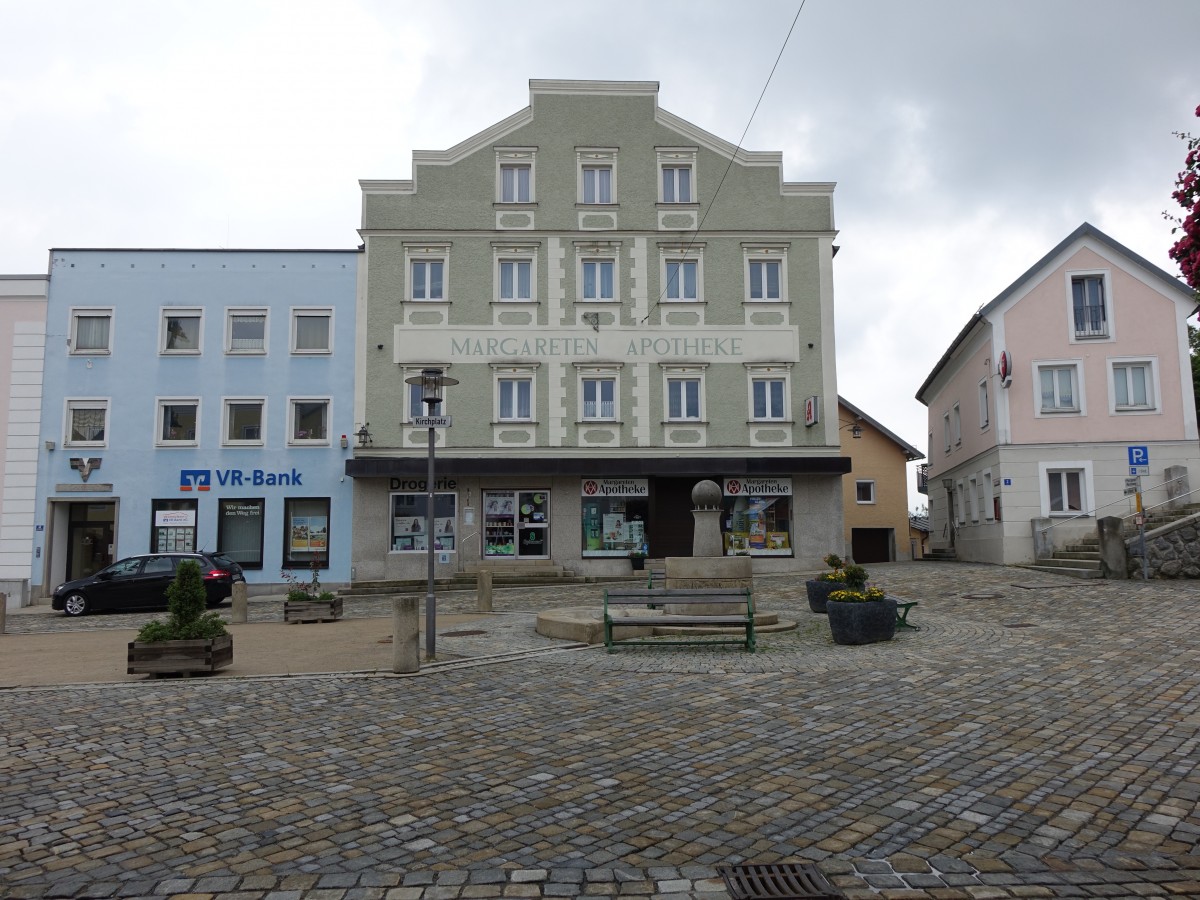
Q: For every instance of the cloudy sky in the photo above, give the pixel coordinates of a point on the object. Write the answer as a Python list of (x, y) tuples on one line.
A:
[(966, 138)]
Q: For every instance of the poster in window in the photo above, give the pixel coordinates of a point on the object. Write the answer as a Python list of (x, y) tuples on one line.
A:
[(299, 533), (318, 532)]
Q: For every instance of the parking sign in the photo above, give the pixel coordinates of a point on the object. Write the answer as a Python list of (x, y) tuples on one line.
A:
[(1139, 455)]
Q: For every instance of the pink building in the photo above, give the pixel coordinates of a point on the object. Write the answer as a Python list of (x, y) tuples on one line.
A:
[(1072, 380), (22, 348)]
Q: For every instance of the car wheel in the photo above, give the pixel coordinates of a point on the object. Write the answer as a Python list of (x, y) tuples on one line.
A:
[(76, 605)]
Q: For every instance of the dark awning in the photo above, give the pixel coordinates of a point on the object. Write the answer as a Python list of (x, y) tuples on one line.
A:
[(598, 466)]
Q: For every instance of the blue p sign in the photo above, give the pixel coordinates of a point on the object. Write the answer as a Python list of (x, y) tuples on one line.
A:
[(1139, 456)]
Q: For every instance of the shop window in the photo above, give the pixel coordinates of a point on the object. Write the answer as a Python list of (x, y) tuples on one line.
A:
[(516, 524), (614, 520), (240, 530), (410, 522), (757, 524), (306, 531), (173, 528)]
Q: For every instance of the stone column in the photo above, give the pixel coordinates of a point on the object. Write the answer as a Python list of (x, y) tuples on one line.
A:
[(1114, 561), (706, 539), (406, 635), (1177, 487), (3, 610), (239, 603), (483, 592)]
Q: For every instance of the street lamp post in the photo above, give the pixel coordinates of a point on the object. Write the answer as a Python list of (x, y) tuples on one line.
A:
[(431, 381)]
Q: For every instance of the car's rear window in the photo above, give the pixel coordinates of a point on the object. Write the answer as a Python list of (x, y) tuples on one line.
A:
[(225, 562)]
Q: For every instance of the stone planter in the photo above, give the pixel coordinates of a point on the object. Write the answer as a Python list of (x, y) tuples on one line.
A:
[(200, 656), (312, 610), (819, 591), (862, 623)]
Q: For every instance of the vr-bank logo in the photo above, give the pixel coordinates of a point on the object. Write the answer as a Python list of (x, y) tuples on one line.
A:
[(195, 479)]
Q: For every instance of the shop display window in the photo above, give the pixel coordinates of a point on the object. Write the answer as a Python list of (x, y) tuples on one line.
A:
[(305, 531), (614, 526), (757, 526), (516, 524), (173, 527), (410, 523), (240, 530)]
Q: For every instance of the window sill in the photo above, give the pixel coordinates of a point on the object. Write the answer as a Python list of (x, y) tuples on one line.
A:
[(676, 301), (599, 422), (176, 445), (1092, 337), (515, 204), (425, 302), (524, 301), (178, 352), (770, 421), (1059, 412), (325, 352), (598, 207), (684, 204), (606, 301), (759, 301), (308, 443), (83, 352), (685, 422), (246, 352)]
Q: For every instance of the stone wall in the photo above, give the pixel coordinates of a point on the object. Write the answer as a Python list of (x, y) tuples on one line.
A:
[(1172, 551)]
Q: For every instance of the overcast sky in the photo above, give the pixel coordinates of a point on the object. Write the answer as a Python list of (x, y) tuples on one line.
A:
[(966, 138)]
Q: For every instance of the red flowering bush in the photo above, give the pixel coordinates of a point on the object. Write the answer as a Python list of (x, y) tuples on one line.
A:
[(1186, 250)]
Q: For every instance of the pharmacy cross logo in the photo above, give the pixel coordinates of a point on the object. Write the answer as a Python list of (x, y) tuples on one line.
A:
[(590, 487), (733, 486)]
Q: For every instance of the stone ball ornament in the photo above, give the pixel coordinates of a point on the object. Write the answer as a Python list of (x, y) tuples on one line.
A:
[(706, 495)]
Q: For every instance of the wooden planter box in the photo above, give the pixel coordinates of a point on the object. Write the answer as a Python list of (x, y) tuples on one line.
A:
[(295, 611), (180, 657)]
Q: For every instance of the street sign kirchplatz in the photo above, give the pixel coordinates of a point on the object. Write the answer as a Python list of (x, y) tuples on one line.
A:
[(431, 421), (1139, 460)]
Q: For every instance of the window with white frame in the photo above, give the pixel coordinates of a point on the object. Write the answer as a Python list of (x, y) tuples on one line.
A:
[(427, 279), (768, 399), (308, 421), (973, 498), (246, 331), (682, 281), (598, 277), (181, 331), (514, 398), (765, 279), (86, 423), (1065, 488), (946, 430), (1058, 385), (178, 422), (597, 184), (956, 417), (242, 421), (981, 506), (514, 280), (1089, 306), (984, 411), (91, 331), (1133, 385), (599, 395), (684, 398), (312, 330), (864, 491), (514, 175), (677, 183)]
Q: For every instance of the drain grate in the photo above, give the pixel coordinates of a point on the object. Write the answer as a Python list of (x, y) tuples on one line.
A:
[(1022, 625), (786, 881), (462, 633)]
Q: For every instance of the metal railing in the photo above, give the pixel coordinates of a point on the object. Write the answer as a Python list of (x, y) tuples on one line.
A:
[(1088, 515)]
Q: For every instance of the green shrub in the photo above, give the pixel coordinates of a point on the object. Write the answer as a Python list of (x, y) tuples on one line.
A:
[(186, 602)]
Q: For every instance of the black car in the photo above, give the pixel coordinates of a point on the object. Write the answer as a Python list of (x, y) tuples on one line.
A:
[(140, 582)]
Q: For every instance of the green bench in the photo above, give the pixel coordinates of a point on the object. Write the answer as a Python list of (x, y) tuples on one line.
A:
[(739, 602), (902, 608)]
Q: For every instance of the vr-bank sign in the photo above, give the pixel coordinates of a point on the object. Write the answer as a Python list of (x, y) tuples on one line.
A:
[(202, 479)]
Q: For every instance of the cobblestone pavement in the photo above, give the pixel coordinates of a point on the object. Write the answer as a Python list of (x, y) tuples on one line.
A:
[(1038, 737)]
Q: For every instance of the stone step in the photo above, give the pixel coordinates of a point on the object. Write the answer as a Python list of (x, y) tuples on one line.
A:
[(1077, 552), (1070, 562), (1062, 570)]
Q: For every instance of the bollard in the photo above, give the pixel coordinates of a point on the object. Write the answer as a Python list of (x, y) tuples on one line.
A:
[(406, 635), (3, 609), (239, 603), (483, 592)]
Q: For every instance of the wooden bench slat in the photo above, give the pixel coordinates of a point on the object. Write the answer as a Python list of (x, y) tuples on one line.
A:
[(656, 597)]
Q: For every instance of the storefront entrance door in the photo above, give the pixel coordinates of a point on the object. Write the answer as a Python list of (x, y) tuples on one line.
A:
[(90, 536), (672, 525), (516, 524)]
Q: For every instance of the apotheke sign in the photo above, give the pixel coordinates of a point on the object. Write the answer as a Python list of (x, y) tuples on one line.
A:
[(758, 487), (615, 487)]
